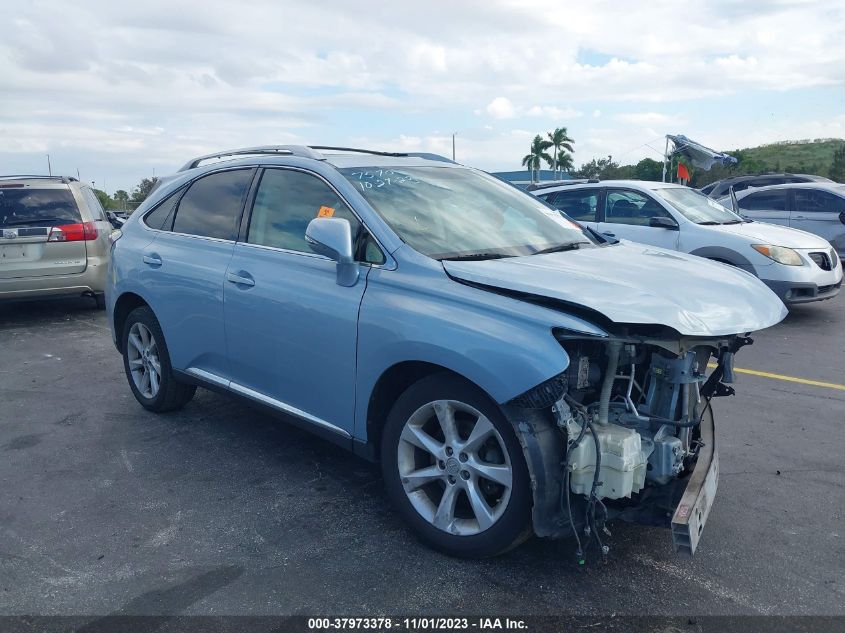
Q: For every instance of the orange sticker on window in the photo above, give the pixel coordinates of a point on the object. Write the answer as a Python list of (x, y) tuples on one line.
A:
[(325, 212)]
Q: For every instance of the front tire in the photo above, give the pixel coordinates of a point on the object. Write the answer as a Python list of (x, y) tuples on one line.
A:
[(454, 469), (146, 362)]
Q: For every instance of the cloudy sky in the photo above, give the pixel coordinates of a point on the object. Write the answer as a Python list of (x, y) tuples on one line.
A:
[(121, 90)]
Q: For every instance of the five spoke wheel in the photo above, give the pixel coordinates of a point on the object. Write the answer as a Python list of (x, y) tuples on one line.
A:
[(144, 364), (454, 467)]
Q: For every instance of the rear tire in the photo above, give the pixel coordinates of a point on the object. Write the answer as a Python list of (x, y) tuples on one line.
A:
[(146, 362), (467, 493), (100, 300)]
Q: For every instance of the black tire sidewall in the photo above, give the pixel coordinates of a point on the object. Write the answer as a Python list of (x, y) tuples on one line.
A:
[(145, 316), (513, 524)]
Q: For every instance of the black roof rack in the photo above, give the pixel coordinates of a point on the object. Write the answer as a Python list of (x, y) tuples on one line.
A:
[(561, 183), (287, 150), (357, 150), (303, 151), (64, 179)]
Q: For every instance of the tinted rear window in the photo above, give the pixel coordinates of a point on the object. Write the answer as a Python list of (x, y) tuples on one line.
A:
[(37, 207), (765, 201), (212, 206)]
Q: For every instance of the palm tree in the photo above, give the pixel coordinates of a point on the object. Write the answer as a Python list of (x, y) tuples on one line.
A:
[(564, 161), (538, 153), (559, 139)]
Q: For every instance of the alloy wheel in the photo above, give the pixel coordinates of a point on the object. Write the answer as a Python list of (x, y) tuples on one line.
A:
[(454, 467), (144, 364)]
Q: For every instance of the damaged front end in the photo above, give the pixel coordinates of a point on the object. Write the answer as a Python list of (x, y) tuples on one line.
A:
[(627, 433)]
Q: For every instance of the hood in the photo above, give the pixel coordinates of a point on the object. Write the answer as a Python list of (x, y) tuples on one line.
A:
[(763, 233), (634, 283)]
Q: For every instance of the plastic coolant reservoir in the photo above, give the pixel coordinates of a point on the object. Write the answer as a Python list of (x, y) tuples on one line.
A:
[(624, 457)]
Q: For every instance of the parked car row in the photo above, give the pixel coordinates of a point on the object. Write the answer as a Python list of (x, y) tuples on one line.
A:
[(514, 367), (797, 265)]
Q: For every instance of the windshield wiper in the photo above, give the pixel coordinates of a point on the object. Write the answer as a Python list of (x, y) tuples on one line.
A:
[(473, 257), (733, 222), (568, 246), (709, 223)]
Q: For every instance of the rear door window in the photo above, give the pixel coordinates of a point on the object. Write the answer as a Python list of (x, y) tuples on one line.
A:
[(580, 204), (764, 201), (212, 205), (813, 201), (161, 218), (27, 206)]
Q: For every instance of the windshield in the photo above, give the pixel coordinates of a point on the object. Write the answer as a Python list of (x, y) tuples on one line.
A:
[(457, 213), (697, 207), (37, 207)]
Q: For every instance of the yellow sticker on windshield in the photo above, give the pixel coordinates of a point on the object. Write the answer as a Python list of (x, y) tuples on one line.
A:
[(325, 212)]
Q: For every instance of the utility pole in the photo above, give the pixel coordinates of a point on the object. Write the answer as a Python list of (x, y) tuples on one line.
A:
[(453, 145), (49, 167)]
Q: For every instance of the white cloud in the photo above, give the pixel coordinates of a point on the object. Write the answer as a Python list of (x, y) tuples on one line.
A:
[(645, 118), (501, 108), (553, 112), (122, 86)]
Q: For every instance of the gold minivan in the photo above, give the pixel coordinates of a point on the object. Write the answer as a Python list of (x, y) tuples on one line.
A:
[(54, 238)]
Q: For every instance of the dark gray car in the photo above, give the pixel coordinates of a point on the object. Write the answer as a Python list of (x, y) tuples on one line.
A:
[(740, 183)]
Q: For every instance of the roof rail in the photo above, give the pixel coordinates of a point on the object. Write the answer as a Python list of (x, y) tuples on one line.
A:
[(356, 150), (64, 179), (287, 150), (304, 151), (561, 183)]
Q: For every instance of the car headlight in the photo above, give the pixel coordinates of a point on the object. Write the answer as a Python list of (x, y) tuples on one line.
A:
[(780, 254)]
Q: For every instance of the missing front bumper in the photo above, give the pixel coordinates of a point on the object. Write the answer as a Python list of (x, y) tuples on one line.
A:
[(694, 507)]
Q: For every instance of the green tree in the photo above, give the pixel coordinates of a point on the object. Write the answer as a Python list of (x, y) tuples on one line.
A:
[(121, 198), (537, 154), (560, 140), (648, 169), (105, 200), (564, 161), (603, 168), (837, 167), (140, 193)]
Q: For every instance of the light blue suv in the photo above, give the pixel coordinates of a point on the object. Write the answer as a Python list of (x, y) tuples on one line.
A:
[(513, 372)]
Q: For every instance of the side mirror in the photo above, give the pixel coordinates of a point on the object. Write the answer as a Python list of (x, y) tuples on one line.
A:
[(663, 223), (332, 237)]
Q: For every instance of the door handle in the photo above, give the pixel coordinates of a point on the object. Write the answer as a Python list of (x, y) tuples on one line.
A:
[(243, 279), (152, 260), (799, 217)]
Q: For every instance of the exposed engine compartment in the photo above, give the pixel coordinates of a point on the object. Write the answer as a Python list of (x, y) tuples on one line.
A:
[(642, 406), (629, 411)]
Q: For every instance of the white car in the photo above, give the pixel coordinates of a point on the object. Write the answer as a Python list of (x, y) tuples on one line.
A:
[(798, 266)]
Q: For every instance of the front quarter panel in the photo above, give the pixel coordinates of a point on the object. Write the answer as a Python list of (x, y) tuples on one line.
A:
[(417, 313)]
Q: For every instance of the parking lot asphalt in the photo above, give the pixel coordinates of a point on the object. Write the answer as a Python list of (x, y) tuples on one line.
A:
[(218, 509)]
